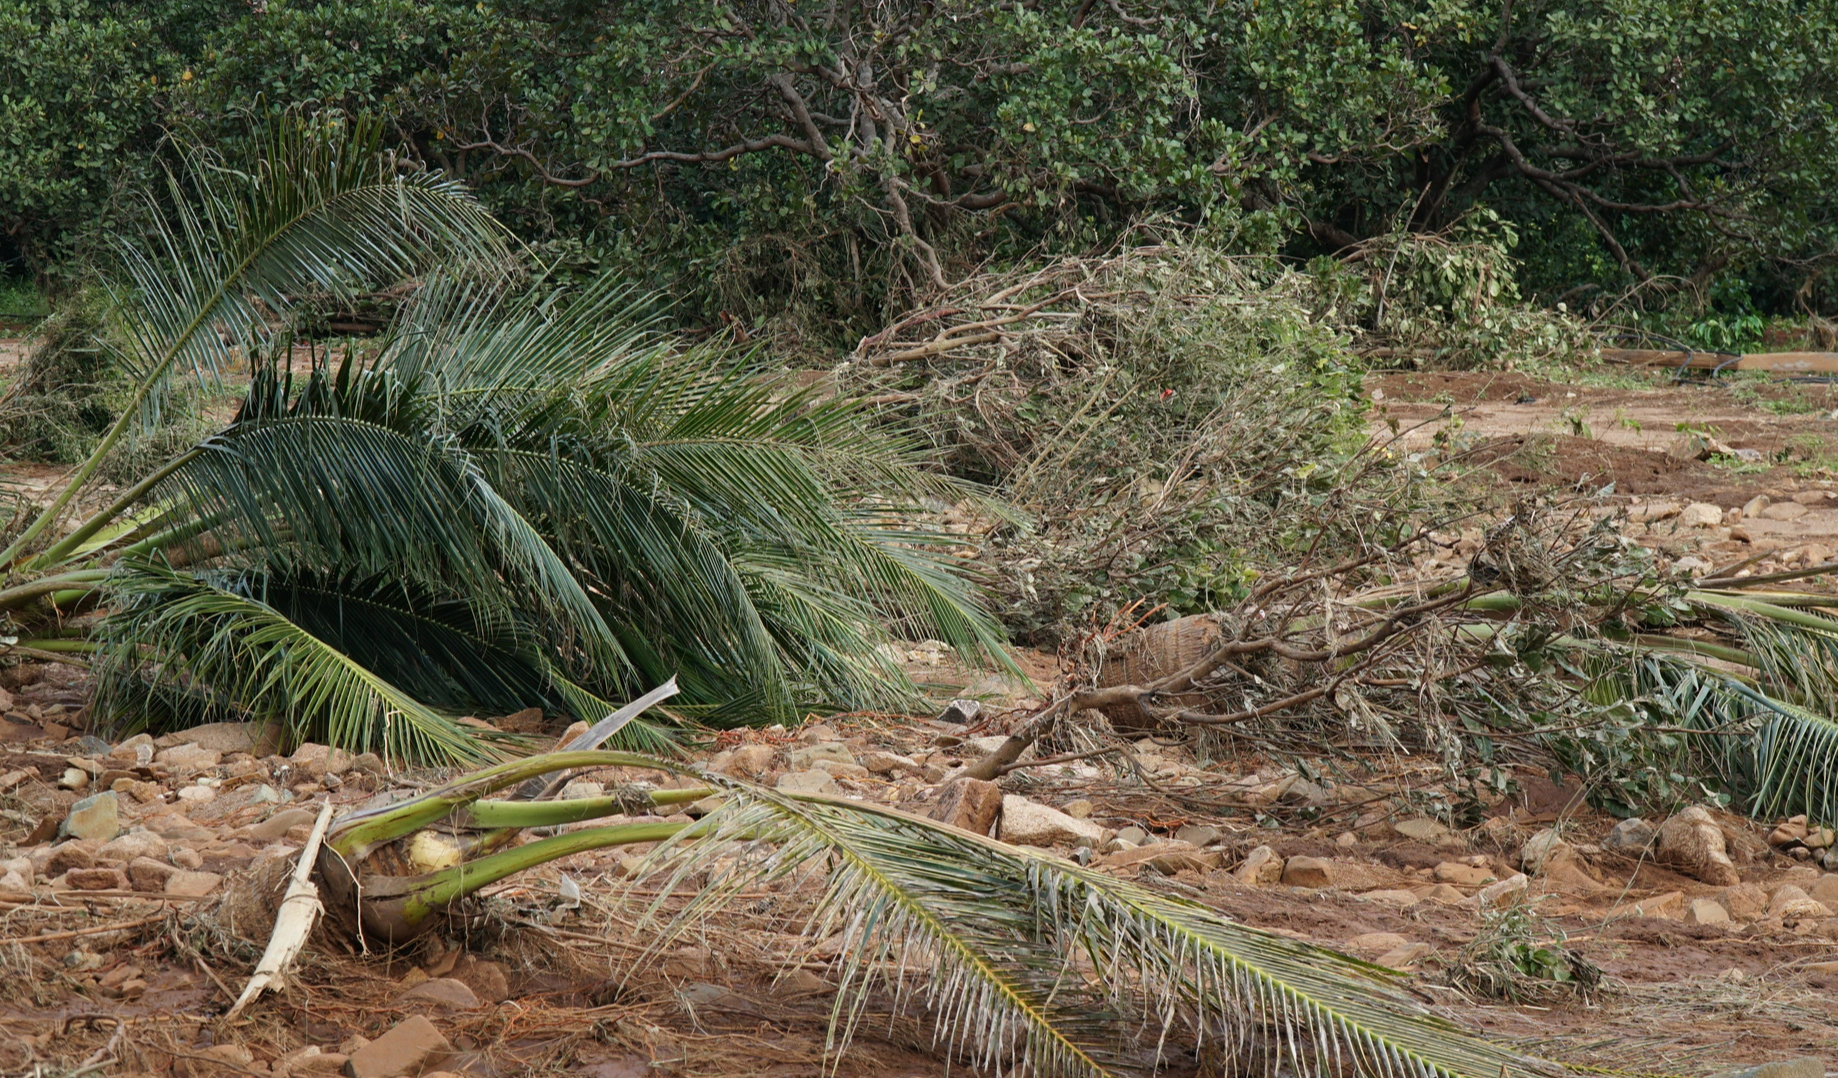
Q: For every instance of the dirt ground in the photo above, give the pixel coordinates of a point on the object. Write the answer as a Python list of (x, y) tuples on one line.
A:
[(132, 979)]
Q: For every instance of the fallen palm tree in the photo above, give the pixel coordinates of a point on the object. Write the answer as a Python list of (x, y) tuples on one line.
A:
[(1023, 962)]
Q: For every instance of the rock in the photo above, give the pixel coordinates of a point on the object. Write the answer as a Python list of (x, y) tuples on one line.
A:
[(1630, 836), (1446, 894), (1669, 906), (1346, 840), (1374, 943), (1260, 867), (74, 778), (1134, 835), (1392, 897), (1463, 875), (1790, 903), (1825, 889), (1199, 834), (749, 761), (970, 804), (1692, 842), (94, 817), (15, 883), (1564, 870), (486, 979), (889, 763), (1497, 894), (192, 884), (1818, 838), (1403, 957), (70, 855), (404, 1051), (809, 782), (1700, 515), (190, 756), (133, 844), (1166, 858), (1754, 506), (1029, 823), (1538, 848), (442, 992), (256, 739), (1308, 872), (1805, 1067), (1426, 830), (276, 826), (1080, 809), (197, 795), (96, 879), (318, 761), (146, 874), (807, 758), (839, 770), (960, 712), (1784, 511), (1745, 901), (580, 789), (1706, 911)]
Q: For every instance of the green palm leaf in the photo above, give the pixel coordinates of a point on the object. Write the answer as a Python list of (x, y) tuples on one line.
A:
[(184, 630), (324, 211), (1033, 964)]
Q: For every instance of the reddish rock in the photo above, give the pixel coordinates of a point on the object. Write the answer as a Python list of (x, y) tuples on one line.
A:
[(405, 1050), (1308, 872), (442, 992), (146, 874), (96, 879), (971, 804)]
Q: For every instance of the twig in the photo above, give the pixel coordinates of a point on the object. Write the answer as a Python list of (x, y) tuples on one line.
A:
[(1062, 759), (95, 930)]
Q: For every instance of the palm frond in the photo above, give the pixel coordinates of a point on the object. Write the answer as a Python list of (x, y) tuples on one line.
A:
[(323, 210), (187, 631), (1033, 965)]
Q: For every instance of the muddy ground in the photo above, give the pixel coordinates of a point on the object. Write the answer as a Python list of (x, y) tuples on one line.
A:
[(109, 966)]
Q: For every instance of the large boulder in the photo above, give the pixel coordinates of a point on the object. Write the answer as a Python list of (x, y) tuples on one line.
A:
[(1029, 823)]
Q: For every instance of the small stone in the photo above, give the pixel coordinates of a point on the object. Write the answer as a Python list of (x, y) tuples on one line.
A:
[(960, 712), (749, 761), (1692, 842), (192, 884), (95, 879), (580, 790), (403, 1051), (1422, 829), (186, 857), (1393, 897), (189, 757), (809, 782), (485, 978), (133, 844), (442, 992), (1745, 901), (197, 795), (1539, 848), (888, 763), (806, 758), (1308, 872), (1496, 894), (1755, 506), (15, 883), (1080, 809), (970, 804), (71, 855), (1199, 834), (276, 826), (1463, 875), (94, 817), (1700, 515), (74, 778), (1632, 836), (1260, 867), (146, 874), (1669, 906), (1403, 957), (1134, 835), (1346, 840), (1824, 889), (1029, 823), (1374, 943), (1784, 511), (1706, 911)]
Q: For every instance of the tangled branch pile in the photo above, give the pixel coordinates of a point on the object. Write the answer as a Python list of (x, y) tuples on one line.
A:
[(1171, 418)]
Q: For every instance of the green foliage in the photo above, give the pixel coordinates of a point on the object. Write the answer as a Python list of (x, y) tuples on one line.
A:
[(1520, 957), (806, 175)]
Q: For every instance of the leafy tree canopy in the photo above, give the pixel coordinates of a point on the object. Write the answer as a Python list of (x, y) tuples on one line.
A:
[(811, 164)]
